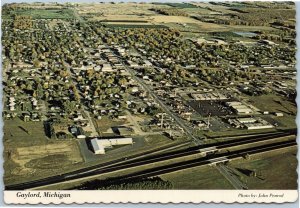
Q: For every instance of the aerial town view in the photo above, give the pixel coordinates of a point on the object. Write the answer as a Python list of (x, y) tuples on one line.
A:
[(146, 96)]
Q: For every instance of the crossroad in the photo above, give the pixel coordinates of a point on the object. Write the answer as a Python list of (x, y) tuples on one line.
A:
[(165, 108)]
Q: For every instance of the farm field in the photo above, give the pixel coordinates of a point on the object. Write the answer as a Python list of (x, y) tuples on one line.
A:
[(43, 14), (177, 19), (120, 18), (119, 9)]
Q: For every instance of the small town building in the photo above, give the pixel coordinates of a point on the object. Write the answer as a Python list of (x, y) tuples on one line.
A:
[(99, 145), (107, 68)]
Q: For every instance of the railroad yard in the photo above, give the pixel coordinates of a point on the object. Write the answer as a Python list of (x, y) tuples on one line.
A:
[(171, 95)]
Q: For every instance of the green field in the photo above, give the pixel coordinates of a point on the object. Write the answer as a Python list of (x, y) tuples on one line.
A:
[(19, 134), (42, 13), (29, 154), (276, 170), (275, 103), (177, 5), (126, 26), (206, 177)]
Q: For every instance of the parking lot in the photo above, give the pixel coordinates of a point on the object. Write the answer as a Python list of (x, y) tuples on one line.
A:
[(209, 107)]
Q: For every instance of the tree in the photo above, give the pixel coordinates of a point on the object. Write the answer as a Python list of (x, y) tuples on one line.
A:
[(39, 91), (36, 63), (158, 77), (122, 81)]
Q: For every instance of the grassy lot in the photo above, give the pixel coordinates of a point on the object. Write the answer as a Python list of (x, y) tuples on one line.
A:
[(275, 170), (158, 140), (43, 13), (237, 132), (274, 103), (20, 134), (198, 178), (105, 123), (29, 154), (30, 157), (174, 19)]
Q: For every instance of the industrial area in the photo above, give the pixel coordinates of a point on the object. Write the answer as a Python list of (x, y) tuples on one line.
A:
[(113, 95)]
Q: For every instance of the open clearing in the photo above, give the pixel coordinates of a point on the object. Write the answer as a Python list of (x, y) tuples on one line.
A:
[(275, 170), (277, 104), (269, 176), (32, 155), (119, 18), (206, 177), (119, 8), (177, 19), (44, 14)]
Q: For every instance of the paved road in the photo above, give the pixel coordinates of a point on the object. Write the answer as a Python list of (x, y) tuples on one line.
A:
[(94, 132), (166, 109), (178, 120), (134, 162), (231, 177)]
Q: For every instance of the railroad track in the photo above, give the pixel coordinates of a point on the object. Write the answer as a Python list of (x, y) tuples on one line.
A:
[(111, 167)]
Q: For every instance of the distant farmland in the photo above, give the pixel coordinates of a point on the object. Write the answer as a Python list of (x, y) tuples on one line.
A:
[(41, 13), (125, 26)]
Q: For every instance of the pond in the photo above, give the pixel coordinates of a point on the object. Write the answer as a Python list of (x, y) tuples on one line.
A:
[(246, 34)]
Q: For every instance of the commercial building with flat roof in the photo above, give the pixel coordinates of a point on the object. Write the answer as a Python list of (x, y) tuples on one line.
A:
[(99, 145), (209, 96), (239, 107)]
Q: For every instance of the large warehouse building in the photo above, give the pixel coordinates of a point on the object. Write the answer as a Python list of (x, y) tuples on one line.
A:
[(99, 145), (209, 96), (239, 108)]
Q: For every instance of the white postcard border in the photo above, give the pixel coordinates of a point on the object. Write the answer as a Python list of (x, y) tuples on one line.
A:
[(150, 196)]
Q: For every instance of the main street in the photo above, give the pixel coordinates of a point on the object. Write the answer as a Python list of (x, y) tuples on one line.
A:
[(164, 107)]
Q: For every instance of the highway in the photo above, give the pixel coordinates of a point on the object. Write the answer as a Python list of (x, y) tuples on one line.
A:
[(193, 151), (125, 164), (200, 162), (62, 177)]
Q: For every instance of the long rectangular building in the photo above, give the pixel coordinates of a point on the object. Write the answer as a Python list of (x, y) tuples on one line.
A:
[(99, 145)]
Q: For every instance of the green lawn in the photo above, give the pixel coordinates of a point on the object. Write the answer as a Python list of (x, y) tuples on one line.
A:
[(206, 177)]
